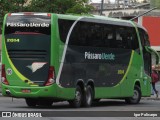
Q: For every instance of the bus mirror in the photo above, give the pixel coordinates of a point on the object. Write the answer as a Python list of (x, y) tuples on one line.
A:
[(152, 51)]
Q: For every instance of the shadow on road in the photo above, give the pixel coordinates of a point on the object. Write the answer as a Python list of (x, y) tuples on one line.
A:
[(65, 105)]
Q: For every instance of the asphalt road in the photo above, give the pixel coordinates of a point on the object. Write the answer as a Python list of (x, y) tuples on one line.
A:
[(7, 104), (116, 106), (65, 112), (106, 108)]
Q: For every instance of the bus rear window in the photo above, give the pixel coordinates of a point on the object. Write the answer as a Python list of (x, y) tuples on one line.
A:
[(28, 24)]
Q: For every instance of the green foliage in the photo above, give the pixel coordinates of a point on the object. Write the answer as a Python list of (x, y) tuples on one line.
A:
[(155, 3), (51, 6), (80, 9), (60, 6), (8, 6)]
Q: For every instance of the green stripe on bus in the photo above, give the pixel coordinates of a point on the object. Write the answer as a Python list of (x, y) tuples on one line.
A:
[(23, 78), (129, 66)]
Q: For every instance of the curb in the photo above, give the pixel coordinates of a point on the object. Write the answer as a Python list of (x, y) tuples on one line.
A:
[(150, 98)]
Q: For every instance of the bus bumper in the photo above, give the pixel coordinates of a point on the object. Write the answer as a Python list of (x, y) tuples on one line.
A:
[(32, 92)]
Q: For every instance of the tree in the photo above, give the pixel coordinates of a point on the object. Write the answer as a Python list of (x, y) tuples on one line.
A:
[(8, 6), (80, 8), (155, 3), (59, 6)]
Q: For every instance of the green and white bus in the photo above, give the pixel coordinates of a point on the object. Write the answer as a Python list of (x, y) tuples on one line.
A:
[(80, 59)]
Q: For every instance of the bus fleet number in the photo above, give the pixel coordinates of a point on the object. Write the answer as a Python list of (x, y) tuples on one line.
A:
[(13, 40), (120, 72)]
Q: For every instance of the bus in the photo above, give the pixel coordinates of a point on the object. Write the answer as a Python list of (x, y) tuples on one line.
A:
[(50, 57)]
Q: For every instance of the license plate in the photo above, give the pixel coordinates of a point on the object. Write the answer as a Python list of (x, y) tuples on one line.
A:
[(26, 90)]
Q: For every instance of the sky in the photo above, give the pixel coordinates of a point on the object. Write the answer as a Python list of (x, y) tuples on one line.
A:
[(98, 1)]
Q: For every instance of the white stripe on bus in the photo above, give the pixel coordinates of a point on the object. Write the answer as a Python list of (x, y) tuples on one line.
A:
[(64, 52)]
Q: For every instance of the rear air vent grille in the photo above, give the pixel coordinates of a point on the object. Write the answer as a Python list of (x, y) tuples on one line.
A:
[(27, 54)]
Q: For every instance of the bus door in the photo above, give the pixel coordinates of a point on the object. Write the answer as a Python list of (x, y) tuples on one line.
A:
[(147, 51)]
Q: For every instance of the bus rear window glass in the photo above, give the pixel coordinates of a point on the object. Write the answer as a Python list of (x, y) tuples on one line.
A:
[(36, 24)]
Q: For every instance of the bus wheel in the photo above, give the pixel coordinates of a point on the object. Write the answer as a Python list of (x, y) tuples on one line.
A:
[(31, 102), (78, 98), (88, 97), (136, 96)]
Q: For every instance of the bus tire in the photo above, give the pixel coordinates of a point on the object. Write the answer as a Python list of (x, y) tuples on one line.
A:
[(76, 103), (31, 102), (136, 96), (88, 97)]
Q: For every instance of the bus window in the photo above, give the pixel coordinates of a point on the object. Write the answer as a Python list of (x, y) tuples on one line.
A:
[(144, 38), (64, 26), (30, 23), (126, 38), (96, 36), (79, 34), (103, 35), (107, 36), (118, 42), (146, 55)]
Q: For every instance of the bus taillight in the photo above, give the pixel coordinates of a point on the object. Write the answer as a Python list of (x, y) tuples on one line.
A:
[(9, 14), (3, 74), (51, 76), (49, 15)]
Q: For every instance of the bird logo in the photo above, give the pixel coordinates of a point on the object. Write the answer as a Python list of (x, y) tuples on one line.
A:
[(36, 65)]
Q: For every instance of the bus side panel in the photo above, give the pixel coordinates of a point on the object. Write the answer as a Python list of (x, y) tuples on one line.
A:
[(57, 49), (126, 85), (146, 86), (66, 93), (134, 74), (55, 53), (108, 92)]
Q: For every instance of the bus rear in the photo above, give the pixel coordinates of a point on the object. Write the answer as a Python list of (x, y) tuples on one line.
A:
[(26, 51)]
